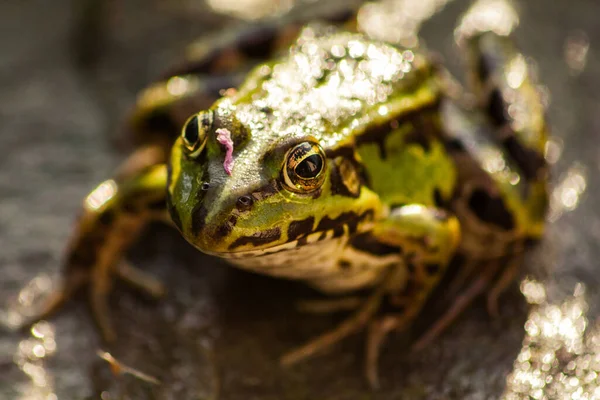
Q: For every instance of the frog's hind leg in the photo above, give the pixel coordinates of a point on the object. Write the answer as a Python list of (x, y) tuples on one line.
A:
[(481, 282), (506, 91), (113, 215), (502, 173)]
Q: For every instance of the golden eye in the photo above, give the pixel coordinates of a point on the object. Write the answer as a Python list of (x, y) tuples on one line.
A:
[(194, 132), (304, 167)]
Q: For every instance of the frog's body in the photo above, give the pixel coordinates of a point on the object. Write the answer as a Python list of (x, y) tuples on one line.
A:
[(351, 169)]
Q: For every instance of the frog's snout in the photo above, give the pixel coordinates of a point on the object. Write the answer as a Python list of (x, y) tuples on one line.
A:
[(213, 228)]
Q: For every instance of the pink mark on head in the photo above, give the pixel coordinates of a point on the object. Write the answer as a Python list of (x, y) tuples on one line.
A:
[(224, 137)]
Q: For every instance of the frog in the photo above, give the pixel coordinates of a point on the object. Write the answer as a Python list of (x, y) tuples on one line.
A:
[(317, 153)]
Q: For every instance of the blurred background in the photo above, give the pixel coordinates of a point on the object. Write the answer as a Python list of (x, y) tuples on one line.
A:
[(69, 70)]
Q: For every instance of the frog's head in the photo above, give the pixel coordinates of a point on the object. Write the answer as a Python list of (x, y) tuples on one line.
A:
[(281, 191)]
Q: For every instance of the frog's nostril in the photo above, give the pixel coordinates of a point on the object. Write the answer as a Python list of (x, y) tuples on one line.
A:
[(205, 186), (244, 203)]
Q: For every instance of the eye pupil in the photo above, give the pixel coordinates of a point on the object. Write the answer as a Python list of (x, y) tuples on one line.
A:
[(191, 134), (303, 168), (310, 166)]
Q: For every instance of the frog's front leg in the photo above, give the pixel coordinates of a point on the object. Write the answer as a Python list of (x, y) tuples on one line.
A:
[(113, 215), (427, 238)]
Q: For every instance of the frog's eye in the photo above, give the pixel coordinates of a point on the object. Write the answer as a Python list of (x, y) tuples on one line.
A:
[(194, 132), (304, 167)]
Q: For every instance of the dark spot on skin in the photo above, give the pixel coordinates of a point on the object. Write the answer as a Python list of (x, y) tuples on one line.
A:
[(264, 192), (338, 231), (491, 209), (338, 186), (258, 239), (496, 108), (205, 186), (316, 194), (454, 145), (199, 213), (266, 109), (300, 228), (348, 218), (302, 241), (378, 133), (344, 264), (226, 228), (530, 162), (418, 137), (322, 236), (438, 199), (244, 203), (432, 269), (367, 243), (411, 267), (346, 152)]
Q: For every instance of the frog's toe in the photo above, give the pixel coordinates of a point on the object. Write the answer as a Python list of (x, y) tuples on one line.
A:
[(140, 280), (506, 278), (101, 313), (461, 303), (378, 331), (361, 317)]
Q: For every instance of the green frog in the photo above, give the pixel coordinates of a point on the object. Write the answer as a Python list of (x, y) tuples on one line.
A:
[(335, 159)]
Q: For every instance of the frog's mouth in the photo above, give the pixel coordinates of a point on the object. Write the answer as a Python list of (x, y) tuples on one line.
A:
[(309, 239)]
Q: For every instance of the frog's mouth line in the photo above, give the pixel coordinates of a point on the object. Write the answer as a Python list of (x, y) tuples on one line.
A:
[(306, 240)]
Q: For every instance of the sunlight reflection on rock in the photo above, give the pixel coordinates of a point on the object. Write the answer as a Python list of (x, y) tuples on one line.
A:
[(30, 356), (560, 357), (250, 9), (576, 49), (567, 194), (397, 21)]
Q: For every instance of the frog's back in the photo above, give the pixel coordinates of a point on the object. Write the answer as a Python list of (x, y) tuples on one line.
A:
[(367, 101), (336, 86)]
